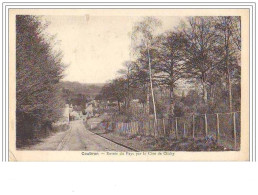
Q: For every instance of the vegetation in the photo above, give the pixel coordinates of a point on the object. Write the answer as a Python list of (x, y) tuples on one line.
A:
[(194, 68), (78, 93), (41, 94), (39, 70)]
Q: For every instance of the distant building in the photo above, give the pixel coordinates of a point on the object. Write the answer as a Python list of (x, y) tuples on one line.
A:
[(74, 115), (96, 103), (89, 110), (136, 100), (66, 113), (70, 108)]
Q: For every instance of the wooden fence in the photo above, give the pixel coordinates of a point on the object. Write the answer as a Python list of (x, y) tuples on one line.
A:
[(222, 127)]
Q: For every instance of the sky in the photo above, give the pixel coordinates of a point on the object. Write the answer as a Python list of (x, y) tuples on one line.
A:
[(95, 47)]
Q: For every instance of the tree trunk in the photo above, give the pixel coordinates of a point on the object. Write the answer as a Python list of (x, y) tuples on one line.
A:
[(204, 91), (230, 92), (148, 101), (119, 107), (212, 94), (128, 91), (171, 94), (226, 39), (152, 92), (171, 106)]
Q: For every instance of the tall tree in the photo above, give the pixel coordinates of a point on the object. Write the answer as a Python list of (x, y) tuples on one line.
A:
[(143, 35), (201, 50), (229, 31), (38, 72), (169, 62)]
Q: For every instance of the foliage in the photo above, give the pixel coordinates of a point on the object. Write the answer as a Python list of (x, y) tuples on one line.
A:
[(202, 55), (38, 72), (79, 93)]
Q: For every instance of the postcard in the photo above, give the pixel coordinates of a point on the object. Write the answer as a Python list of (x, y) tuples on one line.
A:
[(129, 84)]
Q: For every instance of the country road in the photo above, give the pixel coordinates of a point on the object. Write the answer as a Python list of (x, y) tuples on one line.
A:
[(77, 138)]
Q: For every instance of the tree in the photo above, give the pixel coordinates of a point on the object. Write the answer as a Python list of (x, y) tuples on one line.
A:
[(201, 53), (170, 62), (140, 85), (115, 91), (38, 73), (229, 31), (143, 35), (128, 73)]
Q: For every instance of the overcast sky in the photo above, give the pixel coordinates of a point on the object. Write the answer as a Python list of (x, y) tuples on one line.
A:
[(95, 47)]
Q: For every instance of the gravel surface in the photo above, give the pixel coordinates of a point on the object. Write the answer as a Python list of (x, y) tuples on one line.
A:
[(77, 138)]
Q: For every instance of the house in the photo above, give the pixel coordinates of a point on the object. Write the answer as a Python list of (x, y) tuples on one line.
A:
[(74, 115), (66, 113), (96, 103), (89, 110), (70, 108)]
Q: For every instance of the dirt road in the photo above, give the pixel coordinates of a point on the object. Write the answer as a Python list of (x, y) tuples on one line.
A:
[(77, 138)]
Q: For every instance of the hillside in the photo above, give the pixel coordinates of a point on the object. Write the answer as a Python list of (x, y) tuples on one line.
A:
[(79, 93), (91, 89)]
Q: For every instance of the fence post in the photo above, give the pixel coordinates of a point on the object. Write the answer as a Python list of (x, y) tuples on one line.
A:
[(137, 127), (176, 128), (154, 129), (134, 127), (193, 126), (149, 127), (143, 126), (184, 129), (170, 126), (217, 127), (157, 128), (234, 122), (164, 127), (206, 125), (146, 128)]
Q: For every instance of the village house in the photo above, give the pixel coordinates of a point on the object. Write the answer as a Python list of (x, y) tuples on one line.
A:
[(89, 110)]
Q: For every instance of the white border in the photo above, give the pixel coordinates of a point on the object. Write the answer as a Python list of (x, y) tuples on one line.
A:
[(67, 5)]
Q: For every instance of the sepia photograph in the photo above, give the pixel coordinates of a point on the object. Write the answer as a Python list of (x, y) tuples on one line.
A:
[(124, 97), (128, 82)]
